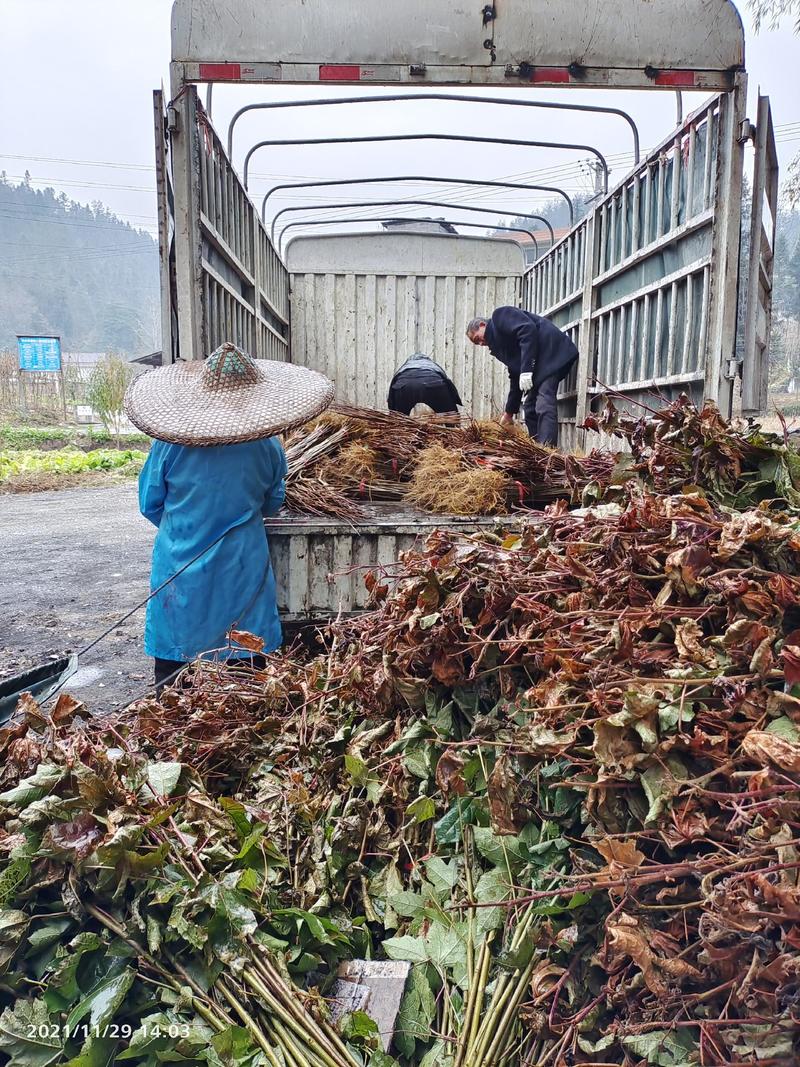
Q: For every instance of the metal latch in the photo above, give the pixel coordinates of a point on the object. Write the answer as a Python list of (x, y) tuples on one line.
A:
[(747, 132), (734, 370), (173, 120), (489, 14)]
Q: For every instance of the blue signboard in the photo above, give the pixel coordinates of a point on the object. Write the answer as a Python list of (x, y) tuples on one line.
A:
[(39, 353)]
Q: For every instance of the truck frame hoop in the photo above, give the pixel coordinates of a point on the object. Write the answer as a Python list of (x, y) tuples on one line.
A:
[(467, 138), (453, 97), (418, 178), (415, 203)]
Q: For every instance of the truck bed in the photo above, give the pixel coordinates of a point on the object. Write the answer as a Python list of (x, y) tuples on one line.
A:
[(320, 563)]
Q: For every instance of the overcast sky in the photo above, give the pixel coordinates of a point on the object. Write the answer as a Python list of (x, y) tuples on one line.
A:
[(76, 112)]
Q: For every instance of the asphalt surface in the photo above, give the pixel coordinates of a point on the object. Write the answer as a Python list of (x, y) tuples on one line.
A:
[(71, 563)]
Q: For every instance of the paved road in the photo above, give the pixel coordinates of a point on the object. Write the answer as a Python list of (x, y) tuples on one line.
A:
[(71, 562)]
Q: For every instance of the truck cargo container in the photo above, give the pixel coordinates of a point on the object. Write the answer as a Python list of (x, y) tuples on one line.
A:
[(646, 283)]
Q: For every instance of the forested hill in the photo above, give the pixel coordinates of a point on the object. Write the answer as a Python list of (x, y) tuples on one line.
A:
[(75, 271)]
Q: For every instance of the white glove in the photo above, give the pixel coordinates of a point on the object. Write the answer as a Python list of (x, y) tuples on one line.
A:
[(526, 382)]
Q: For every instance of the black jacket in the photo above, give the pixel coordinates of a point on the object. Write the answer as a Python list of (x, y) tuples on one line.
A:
[(420, 380), (528, 344)]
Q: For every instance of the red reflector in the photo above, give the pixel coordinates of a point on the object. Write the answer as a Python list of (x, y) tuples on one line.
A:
[(675, 77), (551, 75), (220, 72), (330, 72)]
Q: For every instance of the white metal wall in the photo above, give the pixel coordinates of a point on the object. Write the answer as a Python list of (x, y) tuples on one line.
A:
[(359, 328)]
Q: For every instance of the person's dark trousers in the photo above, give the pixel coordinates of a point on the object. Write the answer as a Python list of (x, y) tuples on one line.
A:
[(166, 669), (541, 411)]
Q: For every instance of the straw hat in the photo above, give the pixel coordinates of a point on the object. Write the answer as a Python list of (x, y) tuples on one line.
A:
[(226, 398)]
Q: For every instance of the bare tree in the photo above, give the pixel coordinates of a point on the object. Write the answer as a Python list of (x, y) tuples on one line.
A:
[(770, 12)]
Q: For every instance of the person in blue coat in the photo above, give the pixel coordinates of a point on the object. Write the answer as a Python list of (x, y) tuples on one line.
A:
[(214, 472), (538, 356)]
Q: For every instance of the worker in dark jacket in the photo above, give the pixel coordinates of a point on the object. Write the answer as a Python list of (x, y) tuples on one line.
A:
[(538, 356), (420, 380)]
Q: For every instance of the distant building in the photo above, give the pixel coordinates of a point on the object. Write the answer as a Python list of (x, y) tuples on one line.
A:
[(423, 226), (152, 359), (542, 239)]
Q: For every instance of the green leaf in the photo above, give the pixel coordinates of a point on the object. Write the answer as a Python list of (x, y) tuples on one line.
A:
[(249, 881), (321, 929), (408, 948), (96, 1052), (438, 1055), (357, 1025), (670, 715), (417, 760), (407, 904), (784, 727), (449, 828), (251, 840), (357, 769), (504, 851), (47, 777), (13, 925), (492, 885), (47, 934), (26, 1035), (235, 811), (143, 864), (417, 1010), (152, 1036), (443, 876), (421, 809), (662, 1048), (104, 1000), (446, 948), (63, 989), (162, 778), (415, 732), (234, 1046), (12, 878)]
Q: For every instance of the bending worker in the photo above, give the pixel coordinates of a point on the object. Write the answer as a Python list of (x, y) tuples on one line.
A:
[(214, 472), (538, 356), (420, 380)]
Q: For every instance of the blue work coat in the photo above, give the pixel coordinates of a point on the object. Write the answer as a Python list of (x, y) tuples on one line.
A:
[(195, 496)]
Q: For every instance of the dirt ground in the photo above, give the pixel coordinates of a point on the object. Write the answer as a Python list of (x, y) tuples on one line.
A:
[(71, 563)]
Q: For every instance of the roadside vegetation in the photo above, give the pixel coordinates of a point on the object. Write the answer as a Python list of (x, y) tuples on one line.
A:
[(35, 470)]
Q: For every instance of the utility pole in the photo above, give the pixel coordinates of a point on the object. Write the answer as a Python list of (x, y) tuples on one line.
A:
[(595, 167)]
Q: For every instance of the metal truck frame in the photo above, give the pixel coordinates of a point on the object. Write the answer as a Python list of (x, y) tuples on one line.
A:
[(647, 282)]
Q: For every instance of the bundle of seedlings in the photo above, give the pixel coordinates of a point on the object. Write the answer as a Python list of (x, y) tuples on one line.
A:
[(440, 465)]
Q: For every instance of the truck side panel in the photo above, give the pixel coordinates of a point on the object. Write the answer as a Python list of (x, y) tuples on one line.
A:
[(644, 282), (230, 282)]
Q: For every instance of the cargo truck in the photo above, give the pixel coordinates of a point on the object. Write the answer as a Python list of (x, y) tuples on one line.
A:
[(646, 283)]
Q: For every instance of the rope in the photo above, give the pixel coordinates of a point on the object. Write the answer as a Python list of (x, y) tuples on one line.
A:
[(142, 603)]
